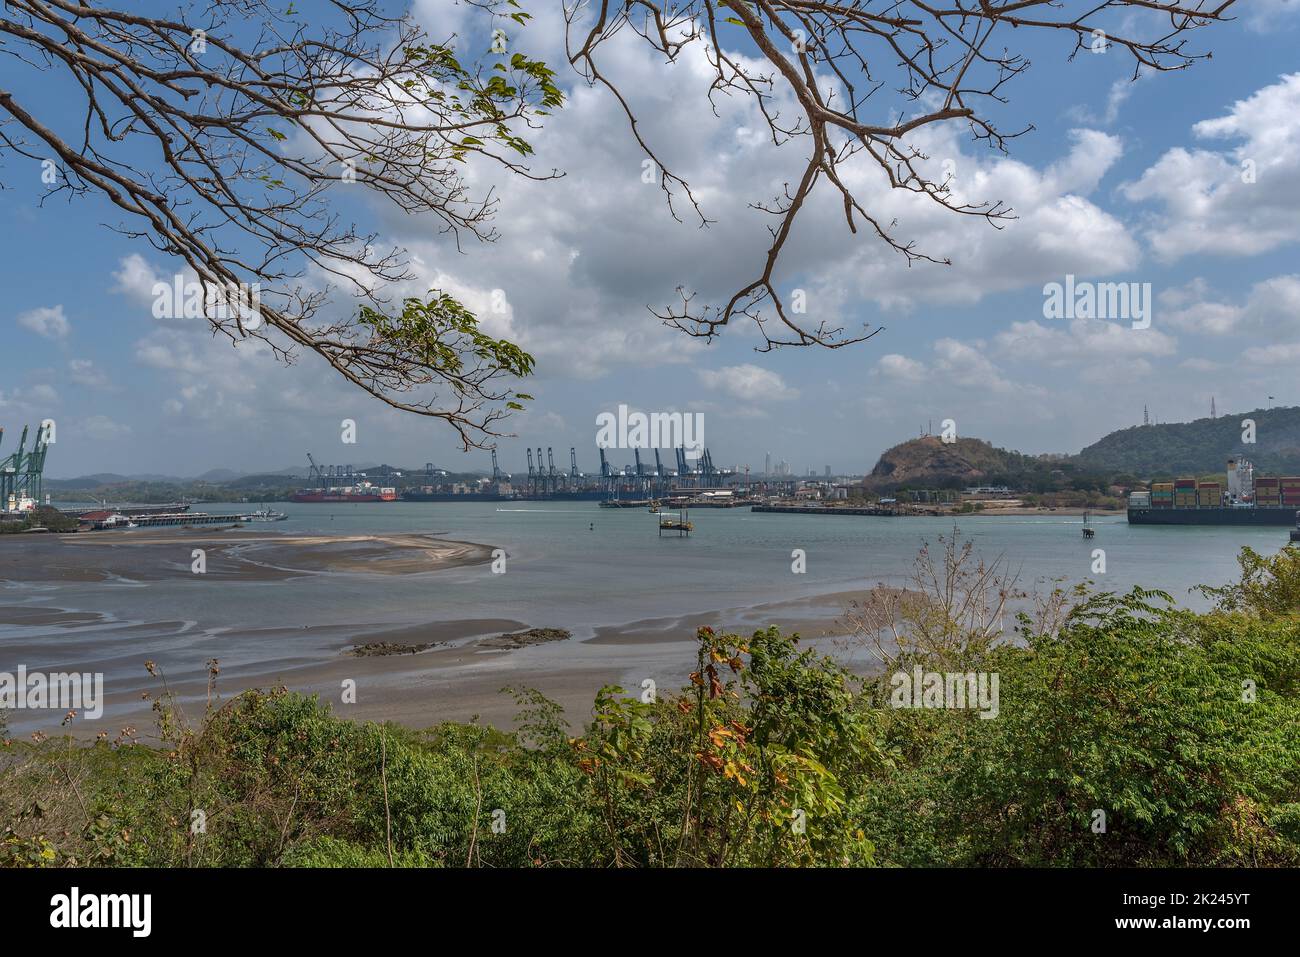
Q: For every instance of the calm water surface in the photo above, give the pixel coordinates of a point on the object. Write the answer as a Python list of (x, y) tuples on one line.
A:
[(578, 566)]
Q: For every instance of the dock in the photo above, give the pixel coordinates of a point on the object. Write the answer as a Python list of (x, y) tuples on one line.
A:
[(682, 525), (167, 519), (876, 510)]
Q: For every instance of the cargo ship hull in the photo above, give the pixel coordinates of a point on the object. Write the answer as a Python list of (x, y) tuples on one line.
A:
[(453, 497), (335, 497), (593, 495), (1215, 515)]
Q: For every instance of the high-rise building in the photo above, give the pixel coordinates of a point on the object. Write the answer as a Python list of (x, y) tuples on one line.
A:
[(767, 464)]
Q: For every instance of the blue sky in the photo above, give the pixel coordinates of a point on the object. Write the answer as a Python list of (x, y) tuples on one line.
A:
[(1118, 182)]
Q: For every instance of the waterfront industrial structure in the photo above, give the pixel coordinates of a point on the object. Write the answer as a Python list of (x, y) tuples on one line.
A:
[(21, 472), (639, 481)]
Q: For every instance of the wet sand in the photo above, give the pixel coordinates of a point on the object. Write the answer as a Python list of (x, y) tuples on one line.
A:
[(458, 675), (148, 555), (461, 678)]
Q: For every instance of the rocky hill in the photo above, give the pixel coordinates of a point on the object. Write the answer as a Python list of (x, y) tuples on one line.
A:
[(929, 462)]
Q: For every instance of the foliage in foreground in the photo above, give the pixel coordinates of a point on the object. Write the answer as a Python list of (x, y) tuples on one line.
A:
[(1128, 732)]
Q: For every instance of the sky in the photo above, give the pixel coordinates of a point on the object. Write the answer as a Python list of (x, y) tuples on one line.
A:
[(1118, 181)]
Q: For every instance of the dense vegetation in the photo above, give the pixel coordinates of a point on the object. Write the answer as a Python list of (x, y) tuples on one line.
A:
[(1126, 459), (1165, 451), (41, 517), (1181, 728), (117, 489), (930, 463)]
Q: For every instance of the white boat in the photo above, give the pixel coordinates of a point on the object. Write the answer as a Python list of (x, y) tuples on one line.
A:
[(265, 515)]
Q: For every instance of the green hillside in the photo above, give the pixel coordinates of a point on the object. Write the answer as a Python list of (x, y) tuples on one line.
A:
[(1199, 447)]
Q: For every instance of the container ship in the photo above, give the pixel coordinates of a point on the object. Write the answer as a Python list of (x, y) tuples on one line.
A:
[(428, 494), (362, 492), (1247, 499)]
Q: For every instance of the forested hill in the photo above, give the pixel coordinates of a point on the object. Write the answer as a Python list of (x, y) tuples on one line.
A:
[(1202, 446)]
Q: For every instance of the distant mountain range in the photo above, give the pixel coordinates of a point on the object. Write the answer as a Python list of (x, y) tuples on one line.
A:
[(222, 477), (1138, 453), (212, 476)]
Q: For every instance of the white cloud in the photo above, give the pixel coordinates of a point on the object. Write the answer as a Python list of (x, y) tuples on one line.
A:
[(749, 383), (135, 277), (102, 428), (1208, 202), (962, 365), (1269, 311), (1081, 340), (84, 372), (46, 321), (1266, 15), (900, 367), (1273, 355)]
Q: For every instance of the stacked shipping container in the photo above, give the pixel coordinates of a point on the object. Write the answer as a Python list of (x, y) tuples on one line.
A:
[(1209, 495), (1162, 495), (1270, 492), (1290, 487)]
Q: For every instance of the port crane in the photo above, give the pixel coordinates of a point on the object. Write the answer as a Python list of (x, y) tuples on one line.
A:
[(606, 473), (21, 473)]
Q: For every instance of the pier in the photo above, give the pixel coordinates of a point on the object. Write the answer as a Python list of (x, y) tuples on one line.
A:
[(114, 520), (876, 510)]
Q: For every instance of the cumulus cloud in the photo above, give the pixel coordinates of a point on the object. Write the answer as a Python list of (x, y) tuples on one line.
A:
[(749, 383), (46, 321), (1241, 200), (135, 277), (1080, 340), (582, 260), (1269, 311), (1266, 15), (102, 428), (84, 372), (901, 368), (961, 364)]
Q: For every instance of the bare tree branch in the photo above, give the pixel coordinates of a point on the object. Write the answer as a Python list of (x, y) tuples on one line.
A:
[(838, 59), (223, 134)]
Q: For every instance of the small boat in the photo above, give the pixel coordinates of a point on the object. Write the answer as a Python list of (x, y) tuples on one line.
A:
[(265, 514)]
